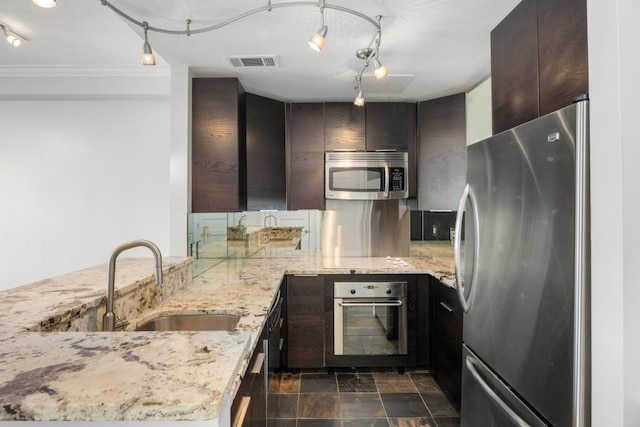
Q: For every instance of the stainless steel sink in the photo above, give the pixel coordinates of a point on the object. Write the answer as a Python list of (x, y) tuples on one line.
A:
[(191, 322)]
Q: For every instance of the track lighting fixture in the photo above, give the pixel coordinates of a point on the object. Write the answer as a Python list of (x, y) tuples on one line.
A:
[(47, 4), (147, 57), (316, 42), (12, 37), (368, 54)]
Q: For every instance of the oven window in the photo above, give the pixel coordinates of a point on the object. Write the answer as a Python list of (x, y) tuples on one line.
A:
[(356, 179), (369, 330)]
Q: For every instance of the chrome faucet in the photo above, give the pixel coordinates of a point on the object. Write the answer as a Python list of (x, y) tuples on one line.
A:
[(108, 320), (240, 222), (270, 216)]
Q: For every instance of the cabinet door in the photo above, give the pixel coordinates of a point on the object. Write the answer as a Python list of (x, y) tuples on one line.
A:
[(562, 52), (390, 125), (447, 321), (344, 127), (443, 152), (424, 335), (266, 178), (514, 68), (306, 147), (305, 321), (218, 145)]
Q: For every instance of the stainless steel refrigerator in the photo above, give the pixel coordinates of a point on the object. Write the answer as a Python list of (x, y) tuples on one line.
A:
[(524, 280)]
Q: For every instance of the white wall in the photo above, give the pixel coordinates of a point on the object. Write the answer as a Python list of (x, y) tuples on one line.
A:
[(614, 60), (478, 109), (78, 177)]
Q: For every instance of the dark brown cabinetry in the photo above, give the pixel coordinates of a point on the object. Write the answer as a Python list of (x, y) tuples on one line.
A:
[(344, 126), (249, 407), (514, 68), (305, 147), (305, 321), (218, 150), (392, 126), (562, 52), (447, 334), (424, 329), (266, 178), (442, 152), (538, 60)]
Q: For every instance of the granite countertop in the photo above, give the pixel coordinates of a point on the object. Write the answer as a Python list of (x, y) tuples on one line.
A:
[(71, 373)]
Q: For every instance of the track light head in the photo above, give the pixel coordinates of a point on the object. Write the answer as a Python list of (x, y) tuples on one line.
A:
[(359, 101), (13, 38), (47, 4), (316, 42), (379, 70), (147, 58)]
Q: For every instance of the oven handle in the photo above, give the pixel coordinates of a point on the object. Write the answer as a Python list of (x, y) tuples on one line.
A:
[(397, 303)]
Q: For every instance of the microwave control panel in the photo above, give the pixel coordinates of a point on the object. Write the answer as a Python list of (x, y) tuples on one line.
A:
[(396, 182)]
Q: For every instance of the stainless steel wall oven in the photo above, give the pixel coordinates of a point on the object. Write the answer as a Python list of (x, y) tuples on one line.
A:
[(370, 318)]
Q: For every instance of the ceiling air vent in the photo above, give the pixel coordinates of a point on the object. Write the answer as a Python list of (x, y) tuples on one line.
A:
[(252, 61)]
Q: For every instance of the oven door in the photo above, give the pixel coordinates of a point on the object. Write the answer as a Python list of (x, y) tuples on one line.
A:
[(361, 326)]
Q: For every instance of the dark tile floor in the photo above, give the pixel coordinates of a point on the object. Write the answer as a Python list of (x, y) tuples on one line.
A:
[(376, 398)]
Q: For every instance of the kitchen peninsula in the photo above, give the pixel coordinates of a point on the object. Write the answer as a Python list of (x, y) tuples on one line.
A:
[(57, 367)]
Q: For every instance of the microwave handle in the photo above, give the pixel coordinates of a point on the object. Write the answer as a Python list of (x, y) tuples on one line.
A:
[(387, 178)]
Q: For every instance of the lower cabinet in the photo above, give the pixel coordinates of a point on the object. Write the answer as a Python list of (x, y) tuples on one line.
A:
[(249, 408), (447, 335), (305, 321)]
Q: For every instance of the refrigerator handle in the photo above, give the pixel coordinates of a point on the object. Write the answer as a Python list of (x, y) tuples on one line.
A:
[(467, 193), (492, 394)]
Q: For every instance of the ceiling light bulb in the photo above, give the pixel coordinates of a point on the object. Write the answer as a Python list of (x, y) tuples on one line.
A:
[(359, 101), (13, 40), (147, 58), (317, 40), (379, 70), (47, 4)]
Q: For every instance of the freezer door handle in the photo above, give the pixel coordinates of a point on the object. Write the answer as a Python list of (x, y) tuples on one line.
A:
[(492, 394), (467, 194)]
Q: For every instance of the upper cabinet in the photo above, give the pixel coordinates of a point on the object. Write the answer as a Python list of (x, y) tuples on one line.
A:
[(218, 145), (390, 125), (344, 127), (305, 146), (266, 183), (538, 60), (562, 52), (514, 68), (443, 152)]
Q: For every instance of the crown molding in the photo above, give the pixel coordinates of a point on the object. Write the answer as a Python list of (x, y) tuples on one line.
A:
[(84, 71)]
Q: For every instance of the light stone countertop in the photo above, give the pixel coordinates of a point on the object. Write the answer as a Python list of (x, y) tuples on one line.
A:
[(165, 376)]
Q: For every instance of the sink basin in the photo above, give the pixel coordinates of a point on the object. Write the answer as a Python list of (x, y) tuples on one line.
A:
[(191, 322)]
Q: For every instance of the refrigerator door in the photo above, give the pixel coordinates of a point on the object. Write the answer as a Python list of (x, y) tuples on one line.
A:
[(521, 311), (487, 401)]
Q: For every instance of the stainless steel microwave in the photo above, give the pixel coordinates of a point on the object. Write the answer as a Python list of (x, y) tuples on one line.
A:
[(366, 175)]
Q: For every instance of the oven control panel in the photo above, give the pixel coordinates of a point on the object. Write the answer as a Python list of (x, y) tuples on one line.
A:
[(370, 289)]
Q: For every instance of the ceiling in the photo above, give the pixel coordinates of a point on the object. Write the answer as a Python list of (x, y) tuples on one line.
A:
[(432, 48)]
